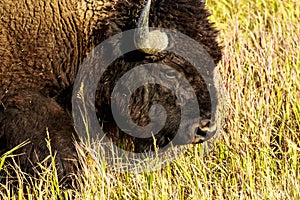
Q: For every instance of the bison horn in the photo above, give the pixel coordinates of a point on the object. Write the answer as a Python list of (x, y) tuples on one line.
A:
[(149, 42)]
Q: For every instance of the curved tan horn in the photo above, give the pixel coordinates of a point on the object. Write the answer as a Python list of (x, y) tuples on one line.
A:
[(149, 42)]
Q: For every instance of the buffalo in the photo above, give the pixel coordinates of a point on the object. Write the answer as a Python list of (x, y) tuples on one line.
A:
[(44, 43)]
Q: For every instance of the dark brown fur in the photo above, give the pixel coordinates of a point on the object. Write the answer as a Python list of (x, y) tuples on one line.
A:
[(42, 46)]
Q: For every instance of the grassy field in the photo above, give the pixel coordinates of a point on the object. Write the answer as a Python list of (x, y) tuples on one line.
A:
[(258, 154)]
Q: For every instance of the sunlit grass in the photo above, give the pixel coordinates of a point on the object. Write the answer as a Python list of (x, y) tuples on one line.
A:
[(258, 154)]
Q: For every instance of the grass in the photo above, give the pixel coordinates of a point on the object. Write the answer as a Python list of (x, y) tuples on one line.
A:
[(258, 154)]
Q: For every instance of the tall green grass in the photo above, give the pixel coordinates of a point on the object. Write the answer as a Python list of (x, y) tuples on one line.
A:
[(257, 155)]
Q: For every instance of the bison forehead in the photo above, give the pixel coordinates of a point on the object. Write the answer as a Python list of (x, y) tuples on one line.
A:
[(186, 16)]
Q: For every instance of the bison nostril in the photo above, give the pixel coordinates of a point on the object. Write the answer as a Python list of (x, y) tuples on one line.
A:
[(200, 132), (205, 131), (199, 135), (204, 124)]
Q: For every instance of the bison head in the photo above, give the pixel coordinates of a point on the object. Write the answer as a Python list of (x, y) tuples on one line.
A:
[(154, 109)]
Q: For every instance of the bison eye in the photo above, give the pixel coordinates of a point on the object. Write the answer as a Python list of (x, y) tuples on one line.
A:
[(171, 74)]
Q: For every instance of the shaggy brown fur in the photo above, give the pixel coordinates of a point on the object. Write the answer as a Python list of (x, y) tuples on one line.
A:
[(43, 43)]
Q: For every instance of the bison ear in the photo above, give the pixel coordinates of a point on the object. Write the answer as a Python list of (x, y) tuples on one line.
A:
[(149, 42)]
